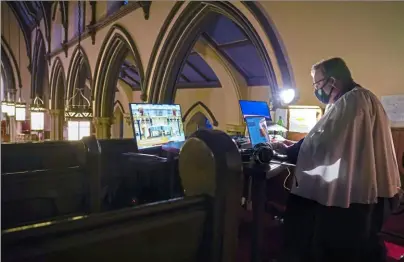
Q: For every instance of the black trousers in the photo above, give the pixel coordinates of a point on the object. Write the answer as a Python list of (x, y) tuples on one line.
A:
[(317, 233)]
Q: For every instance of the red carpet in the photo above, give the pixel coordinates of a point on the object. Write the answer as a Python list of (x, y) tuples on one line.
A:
[(394, 236), (394, 252), (273, 238)]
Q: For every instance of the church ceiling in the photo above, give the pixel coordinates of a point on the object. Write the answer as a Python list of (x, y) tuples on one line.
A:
[(230, 42), (222, 34)]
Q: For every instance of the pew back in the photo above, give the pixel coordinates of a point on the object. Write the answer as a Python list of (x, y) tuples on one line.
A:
[(202, 226), (42, 180), (170, 231), (41, 156)]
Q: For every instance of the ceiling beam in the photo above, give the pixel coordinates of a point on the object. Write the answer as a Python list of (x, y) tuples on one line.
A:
[(191, 65), (185, 78), (134, 88), (237, 43), (125, 74), (223, 54)]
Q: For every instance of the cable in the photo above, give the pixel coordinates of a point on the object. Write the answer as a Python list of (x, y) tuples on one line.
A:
[(286, 180)]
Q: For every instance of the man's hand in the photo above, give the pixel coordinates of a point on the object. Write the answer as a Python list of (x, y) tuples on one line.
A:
[(279, 147), (289, 142)]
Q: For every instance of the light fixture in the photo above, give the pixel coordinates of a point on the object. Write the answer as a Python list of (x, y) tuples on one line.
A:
[(78, 117), (20, 109), (287, 95), (78, 113), (37, 115), (4, 104), (10, 105)]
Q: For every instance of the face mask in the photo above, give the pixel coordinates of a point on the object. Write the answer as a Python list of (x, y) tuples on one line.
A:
[(323, 96)]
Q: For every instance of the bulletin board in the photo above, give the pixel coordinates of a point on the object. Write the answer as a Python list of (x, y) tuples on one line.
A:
[(301, 119)]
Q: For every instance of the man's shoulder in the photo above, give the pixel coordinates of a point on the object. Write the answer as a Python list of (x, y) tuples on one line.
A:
[(362, 95)]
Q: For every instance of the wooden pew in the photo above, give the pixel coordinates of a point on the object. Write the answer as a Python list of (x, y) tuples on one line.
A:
[(43, 180), (202, 226), (129, 178)]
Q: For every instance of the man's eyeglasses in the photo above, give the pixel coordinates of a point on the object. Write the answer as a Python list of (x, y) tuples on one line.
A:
[(317, 85)]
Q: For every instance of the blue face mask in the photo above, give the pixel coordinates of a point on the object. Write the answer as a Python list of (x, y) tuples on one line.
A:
[(322, 96)]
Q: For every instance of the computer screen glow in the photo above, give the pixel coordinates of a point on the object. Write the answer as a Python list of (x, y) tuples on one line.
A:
[(155, 124)]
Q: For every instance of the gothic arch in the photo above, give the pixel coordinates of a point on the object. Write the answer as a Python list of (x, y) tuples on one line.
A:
[(10, 65), (78, 61), (57, 85), (180, 32), (118, 103), (117, 45), (202, 108), (39, 66)]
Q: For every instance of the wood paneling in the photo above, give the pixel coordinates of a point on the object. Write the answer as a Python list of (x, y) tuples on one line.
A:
[(398, 138)]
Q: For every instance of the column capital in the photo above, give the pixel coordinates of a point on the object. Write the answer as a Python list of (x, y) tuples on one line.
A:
[(102, 120), (102, 127), (55, 112)]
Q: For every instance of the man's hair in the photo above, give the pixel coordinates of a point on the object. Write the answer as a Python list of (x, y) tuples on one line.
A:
[(334, 67)]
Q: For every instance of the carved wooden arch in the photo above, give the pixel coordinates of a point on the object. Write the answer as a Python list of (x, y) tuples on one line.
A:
[(116, 46), (10, 65), (39, 65), (202, 108), (57, 95), (176, 39), (79, 57)]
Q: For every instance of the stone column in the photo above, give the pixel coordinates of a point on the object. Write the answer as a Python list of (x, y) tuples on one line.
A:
[(13, 123), (56, 121), (102, 127)]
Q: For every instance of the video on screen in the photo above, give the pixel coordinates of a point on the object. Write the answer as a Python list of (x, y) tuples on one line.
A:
[(257, 129), (155, 124)]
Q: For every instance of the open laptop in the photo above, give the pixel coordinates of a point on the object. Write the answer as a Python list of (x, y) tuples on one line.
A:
[(157, 125), (257, 130)]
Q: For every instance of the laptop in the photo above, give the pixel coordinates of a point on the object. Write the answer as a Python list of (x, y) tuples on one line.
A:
[(257, 130)]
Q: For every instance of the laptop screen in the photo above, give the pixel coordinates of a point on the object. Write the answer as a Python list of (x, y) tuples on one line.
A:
[(257, 130), (156, 124), (255, 108)]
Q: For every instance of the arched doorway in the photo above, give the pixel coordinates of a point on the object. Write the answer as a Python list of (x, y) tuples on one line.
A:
[(117, 128), (197, 121), (179, 35), (198, 116)]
